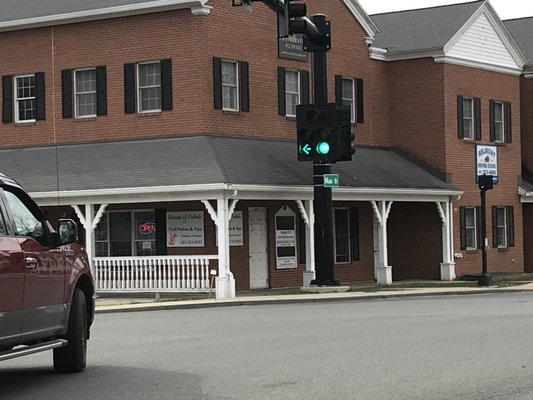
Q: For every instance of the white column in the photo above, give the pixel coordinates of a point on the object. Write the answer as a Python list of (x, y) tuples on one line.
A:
[(447, 267), (381, 213), (307, 213), (89, 221), (225, 282)]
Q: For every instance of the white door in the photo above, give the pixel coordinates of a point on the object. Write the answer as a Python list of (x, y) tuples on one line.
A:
[(257, 223)]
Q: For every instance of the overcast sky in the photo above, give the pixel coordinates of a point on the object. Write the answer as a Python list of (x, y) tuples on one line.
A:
[(506, 9)]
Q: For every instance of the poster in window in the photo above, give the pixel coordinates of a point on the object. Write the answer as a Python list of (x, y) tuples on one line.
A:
[(285, 240), (235, 229), (185, 229)]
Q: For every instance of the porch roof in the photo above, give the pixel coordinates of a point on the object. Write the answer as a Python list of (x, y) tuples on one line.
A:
[(206, 162)]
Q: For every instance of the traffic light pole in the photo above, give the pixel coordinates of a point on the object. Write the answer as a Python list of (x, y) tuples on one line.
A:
[(323, 203)]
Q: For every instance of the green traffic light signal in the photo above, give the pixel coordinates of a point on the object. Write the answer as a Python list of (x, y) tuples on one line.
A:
[(323, 148)]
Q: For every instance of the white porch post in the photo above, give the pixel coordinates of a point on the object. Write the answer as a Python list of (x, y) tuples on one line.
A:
[(307, 212), (383, 270), (447, 267), (225, 282), (89, 221)]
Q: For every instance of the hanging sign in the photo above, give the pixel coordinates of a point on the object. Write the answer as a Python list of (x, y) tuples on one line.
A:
[(487, 161)]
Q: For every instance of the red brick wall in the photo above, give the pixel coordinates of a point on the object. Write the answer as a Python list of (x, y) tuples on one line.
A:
[(526, 122)]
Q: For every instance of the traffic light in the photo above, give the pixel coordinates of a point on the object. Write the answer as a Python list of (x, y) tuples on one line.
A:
[(295, 20), (346, 147), (317, 131)]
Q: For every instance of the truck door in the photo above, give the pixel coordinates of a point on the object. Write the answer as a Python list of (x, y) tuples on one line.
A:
[(11, 282), (44, 266)]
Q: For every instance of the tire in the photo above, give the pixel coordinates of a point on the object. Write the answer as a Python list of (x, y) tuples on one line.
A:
[(73, 356)]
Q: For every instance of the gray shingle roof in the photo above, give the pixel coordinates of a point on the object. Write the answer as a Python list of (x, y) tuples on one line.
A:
[(522, 31), (201, 160), (421, 29)]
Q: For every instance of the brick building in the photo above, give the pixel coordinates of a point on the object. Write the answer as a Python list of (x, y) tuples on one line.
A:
[(167, 129)]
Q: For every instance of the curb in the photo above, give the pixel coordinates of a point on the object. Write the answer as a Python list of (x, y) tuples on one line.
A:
[(183, 305)]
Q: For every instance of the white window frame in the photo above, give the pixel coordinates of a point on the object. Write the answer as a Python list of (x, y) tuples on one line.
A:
[(504, 226), (349, 236), (132, 225), (499, 137), (139, 88), (471, 228), (233, 87), (76, 93), (17, 99), (298, 93), (349, 101), (468, 121)]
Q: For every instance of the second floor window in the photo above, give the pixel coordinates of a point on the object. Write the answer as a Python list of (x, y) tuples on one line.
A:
[(25, 98), (502, 226), (230, 86), (500, 121), (293, 89), (85, 98), (469, 118), (149, 86), (349, 92), (292, 92), (348, 96)]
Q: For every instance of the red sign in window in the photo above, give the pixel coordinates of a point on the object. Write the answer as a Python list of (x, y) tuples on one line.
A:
[(147, 228)]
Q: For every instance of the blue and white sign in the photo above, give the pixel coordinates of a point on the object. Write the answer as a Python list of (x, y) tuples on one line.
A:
[(487, 161)]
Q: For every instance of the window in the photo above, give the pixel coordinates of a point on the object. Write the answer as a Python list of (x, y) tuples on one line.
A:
[(27, 222), (85, 92), (230, 80), (349, 92), (3, 230), (285, 238), (126, 233), (346, 234), (148, 86), (292, 92), (470, 225), (469, 118), (502, 226), (23, 98), (293, 89), (500, 122), (230, 86)]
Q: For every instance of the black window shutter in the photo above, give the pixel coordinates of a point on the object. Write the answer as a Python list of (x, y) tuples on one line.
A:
[(161, 231), (40, 113), (217, 83), (7, 99), (302, 249), (304, 84), (354, 233), (491, 121), (245, 88), (66, 92), (129, 88), (494, 226), (507, 122), (101, 90), (477, 118), (460, 128), (360, 111), (281, 91), (510, 226), (462, 220), (166, 84), (478, 228), (338, 90)]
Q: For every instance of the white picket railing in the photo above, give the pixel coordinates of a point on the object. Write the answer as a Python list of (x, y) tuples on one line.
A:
[(152, 274)]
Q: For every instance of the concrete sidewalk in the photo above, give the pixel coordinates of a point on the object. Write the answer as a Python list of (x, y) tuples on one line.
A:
[(125, 304)]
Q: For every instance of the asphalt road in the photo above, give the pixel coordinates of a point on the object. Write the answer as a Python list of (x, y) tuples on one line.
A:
[(475, 347)]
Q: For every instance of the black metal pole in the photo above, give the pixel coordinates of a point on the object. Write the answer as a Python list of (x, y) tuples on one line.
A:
[(323, 204), (485, 279)]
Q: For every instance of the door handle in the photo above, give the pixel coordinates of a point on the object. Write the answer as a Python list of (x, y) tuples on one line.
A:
[(31, 262)]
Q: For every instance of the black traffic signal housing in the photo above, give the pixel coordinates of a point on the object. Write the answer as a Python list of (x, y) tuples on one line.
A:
[(317, 130), (295, 12), (346, 146)]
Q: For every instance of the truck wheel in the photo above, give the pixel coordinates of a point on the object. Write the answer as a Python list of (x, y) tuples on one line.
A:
[(72, 357)]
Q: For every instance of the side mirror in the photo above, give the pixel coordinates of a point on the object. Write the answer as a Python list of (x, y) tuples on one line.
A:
[(68, 231)]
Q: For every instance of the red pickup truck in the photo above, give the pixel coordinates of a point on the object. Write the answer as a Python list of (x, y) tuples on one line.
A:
[(46, 287)]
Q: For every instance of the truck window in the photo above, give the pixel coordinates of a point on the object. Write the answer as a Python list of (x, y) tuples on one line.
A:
[(26, 223), (2, 224)]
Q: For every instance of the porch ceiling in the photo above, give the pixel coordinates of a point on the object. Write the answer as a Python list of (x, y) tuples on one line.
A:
[(207, 166)]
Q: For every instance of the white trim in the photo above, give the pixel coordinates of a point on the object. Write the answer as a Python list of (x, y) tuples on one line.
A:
[(197, 7), (138, 87), (236, 86), (75, 92), (362, 17), (477, 64), (298, 92), (17, 99)]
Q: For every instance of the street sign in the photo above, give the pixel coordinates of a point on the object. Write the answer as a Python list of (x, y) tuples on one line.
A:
[(331, 180)]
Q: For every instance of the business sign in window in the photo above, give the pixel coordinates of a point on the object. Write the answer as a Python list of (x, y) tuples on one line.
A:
[(185, 229)]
